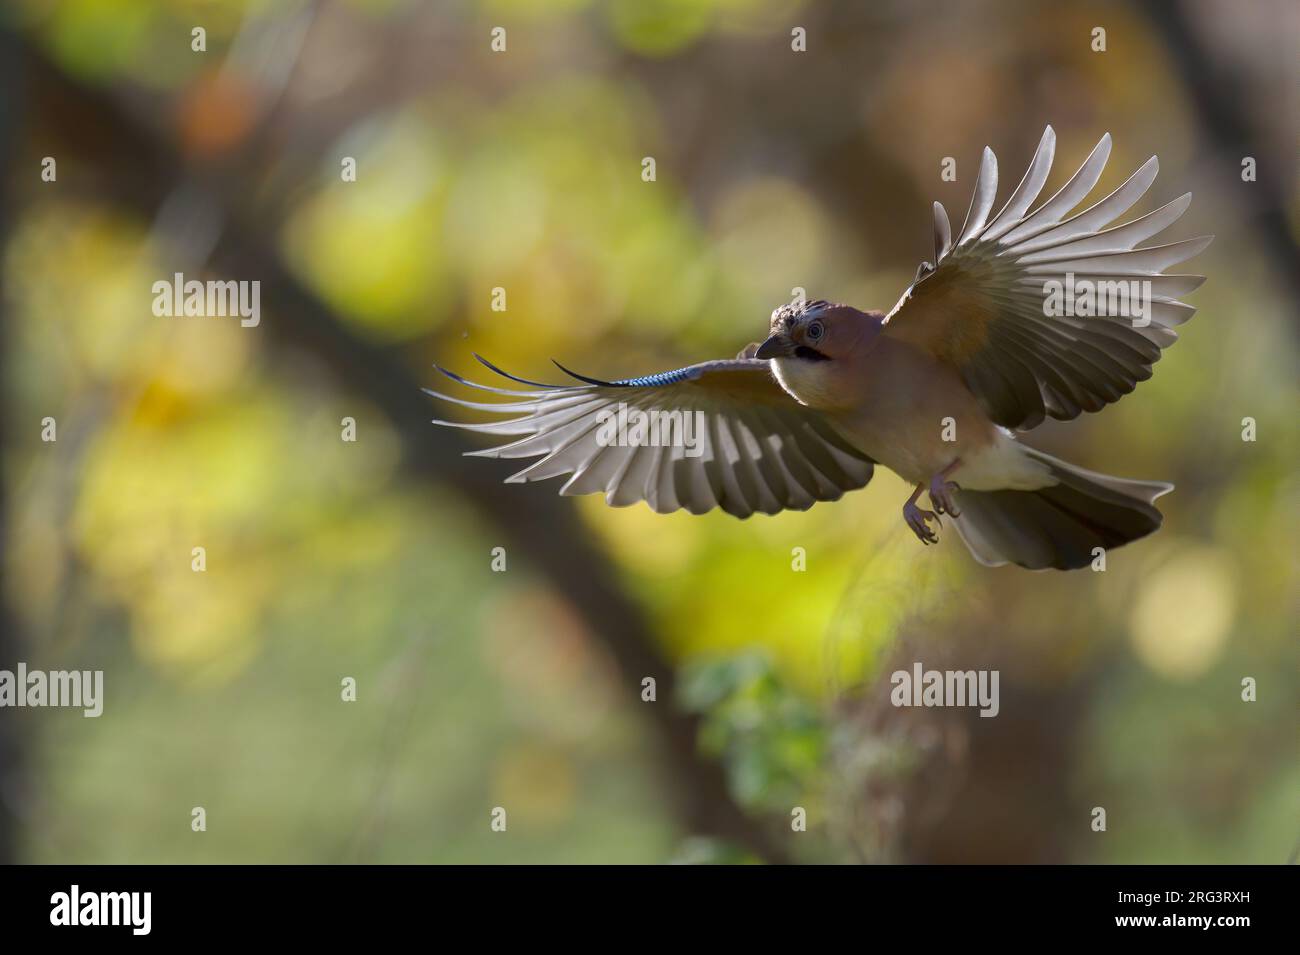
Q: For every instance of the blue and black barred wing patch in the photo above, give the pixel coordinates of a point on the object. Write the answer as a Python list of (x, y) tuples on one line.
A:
[(720, 434)]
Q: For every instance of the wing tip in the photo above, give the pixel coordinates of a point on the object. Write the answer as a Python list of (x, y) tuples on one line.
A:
[(505, 374), (584, 378), (450, 374)]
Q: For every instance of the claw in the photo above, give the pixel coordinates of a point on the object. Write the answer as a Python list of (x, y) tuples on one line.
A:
[(918, 520)]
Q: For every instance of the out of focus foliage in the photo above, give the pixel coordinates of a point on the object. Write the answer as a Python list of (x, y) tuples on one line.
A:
[(522, 171), (772, 739)]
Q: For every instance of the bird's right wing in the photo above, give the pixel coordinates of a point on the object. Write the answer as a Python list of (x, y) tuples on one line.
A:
[(727, 436)]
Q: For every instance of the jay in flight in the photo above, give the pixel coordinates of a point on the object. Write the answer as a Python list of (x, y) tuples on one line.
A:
[(935, 389)]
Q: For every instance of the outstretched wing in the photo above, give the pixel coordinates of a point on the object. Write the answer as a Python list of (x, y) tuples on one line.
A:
[(1007, 303), (727, 436)]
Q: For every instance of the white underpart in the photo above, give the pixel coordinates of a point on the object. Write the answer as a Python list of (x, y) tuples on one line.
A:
[(1003, 465)]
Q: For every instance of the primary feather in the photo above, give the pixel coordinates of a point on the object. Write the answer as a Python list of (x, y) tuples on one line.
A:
[(981, 308), (759, 449)]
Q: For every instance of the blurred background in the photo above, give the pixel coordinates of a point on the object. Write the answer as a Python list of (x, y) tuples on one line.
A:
[(373, 559)]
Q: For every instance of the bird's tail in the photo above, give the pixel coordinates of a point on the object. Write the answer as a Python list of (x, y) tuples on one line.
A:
[(1059, 526)]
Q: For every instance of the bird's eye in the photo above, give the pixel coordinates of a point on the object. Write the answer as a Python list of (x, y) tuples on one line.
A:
[(815, 331)]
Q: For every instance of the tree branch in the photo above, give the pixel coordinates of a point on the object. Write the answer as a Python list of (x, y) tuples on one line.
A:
[(143, 171), (12, 779)]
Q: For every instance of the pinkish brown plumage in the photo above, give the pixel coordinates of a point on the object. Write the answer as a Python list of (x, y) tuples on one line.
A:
[(976, 349)]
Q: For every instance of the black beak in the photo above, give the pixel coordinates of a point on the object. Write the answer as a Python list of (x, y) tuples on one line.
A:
[(778, 346)]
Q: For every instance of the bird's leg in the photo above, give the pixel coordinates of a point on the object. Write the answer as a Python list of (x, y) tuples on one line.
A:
[(918, 519), (941, 490)]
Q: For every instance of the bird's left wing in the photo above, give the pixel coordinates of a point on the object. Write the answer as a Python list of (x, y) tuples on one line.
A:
[(1044, 312), (717, 434)]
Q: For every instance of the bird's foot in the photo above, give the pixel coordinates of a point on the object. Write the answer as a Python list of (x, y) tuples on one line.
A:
[(941, 490), (941, 495), (918, 519)]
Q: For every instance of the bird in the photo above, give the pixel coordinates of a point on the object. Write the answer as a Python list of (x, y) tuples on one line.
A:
[(1022, 315)]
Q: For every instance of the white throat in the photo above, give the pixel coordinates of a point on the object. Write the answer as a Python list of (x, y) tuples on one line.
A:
[(806, 381)]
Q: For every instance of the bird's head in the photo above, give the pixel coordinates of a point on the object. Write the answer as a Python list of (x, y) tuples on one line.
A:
[(810, 344), (813, 332)]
